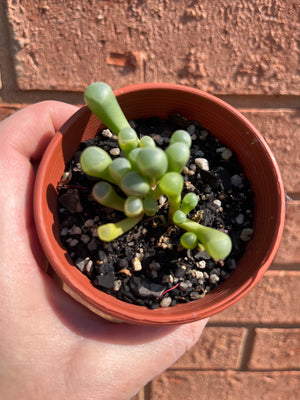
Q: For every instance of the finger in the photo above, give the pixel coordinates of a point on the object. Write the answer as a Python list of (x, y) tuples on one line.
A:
[(29, 130), (24, 136)]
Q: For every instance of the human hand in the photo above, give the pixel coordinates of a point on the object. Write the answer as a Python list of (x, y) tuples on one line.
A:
[(51, 347)]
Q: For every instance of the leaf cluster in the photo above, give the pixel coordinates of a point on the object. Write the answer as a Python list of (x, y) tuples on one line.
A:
[(143, 174)]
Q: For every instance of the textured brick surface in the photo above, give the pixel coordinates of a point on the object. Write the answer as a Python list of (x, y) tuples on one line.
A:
[(196, 385), (276, 349), (245, 51), (281, 129), (221, 47), (218, 348), (289, 248), (274, 300)]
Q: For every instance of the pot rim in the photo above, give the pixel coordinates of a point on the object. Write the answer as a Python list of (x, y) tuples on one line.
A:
[(180, 313)]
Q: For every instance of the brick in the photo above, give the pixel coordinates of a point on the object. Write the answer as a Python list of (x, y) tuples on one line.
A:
[(281, 129), (229, 385), (274, 300), (275, 349), (222, 47), (289, 248), (218, 348)]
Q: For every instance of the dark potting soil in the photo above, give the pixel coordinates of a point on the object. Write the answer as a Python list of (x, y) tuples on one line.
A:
[(147, 266)]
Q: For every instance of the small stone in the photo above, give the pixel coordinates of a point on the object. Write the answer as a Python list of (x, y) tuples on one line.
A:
[(196, 295), (89, 266), (201, 264), (199, 153), (240, 219), (117, 285), (154, 266), (80, 264), (85, 238), (92, 245), (202, 163), (64, 231), (237, 180), (73, 242), (166, 302), (191, 129), (217, 203), (124, 271), (246, 234), (75, 230), (168, 279), (107, 133), (115, 151), (231, 264), (105, 281), (214, 278), (71, 201), (226, 154), (162, 200), (136, 264), (89, 223), (183, 286)]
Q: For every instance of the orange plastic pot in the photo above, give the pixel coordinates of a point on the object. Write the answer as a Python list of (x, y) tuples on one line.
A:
[(224, 122)]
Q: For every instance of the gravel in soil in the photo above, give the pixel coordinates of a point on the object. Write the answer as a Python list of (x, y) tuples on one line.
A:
[(147, 266)]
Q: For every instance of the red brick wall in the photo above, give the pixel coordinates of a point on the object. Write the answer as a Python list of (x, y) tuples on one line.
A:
[(245, 52)]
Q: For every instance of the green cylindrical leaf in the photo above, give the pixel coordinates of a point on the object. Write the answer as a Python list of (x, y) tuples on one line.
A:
[(171, 184), (189, 202), (118, 168), (178, 155), (147, 141), (152, 162), (127, 140), (217, 243), (189, 240), (109, 232), (179, 217), (105, 194), (150, 206), (95, 161), (181, 136), (132, 156), (101, 100), (133, 184), (133, 206)]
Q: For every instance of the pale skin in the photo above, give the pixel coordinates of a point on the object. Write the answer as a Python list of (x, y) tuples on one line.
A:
[(51, 347)]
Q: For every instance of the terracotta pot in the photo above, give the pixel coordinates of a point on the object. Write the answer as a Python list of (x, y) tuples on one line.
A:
[(224, 122)]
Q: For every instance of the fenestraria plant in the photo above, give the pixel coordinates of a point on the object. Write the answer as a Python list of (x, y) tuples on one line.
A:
[(143, 174)]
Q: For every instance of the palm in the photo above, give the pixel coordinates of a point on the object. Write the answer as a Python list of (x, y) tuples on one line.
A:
[(52, 346)]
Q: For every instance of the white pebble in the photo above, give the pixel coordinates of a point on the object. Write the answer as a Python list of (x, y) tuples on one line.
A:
[(217, 202), (202, 163), (115, 151), (136, 264), (246, 234), (201, 264), (117, 285), (214, 278), (107, 133), (166, 302)]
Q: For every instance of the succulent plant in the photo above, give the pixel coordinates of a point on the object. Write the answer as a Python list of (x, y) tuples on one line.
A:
[(143, 174)]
